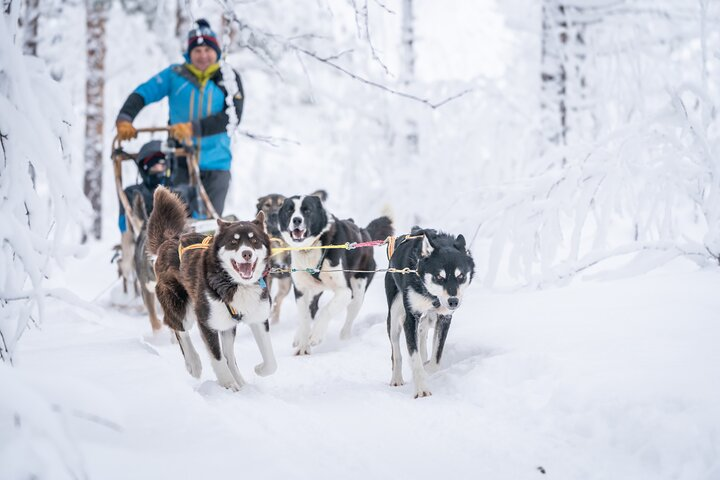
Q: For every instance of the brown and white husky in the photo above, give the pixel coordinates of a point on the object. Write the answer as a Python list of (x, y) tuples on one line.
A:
[(215, 280)]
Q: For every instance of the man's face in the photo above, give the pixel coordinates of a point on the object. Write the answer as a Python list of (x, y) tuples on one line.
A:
[(202, 57), (159, 167)]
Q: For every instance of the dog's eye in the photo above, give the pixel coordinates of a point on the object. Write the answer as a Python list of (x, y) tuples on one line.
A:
[(461, 278), (438, 279)]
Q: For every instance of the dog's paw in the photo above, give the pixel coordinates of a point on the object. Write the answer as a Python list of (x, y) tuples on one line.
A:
[(231, 385), (423, 392), (265, 369), (396, 382), (302, 350)]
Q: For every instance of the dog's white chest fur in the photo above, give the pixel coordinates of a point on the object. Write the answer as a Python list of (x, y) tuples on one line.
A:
[(305, 282), (247, 302), (419, 303)]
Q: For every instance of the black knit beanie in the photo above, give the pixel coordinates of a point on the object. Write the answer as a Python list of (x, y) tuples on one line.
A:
[(202, 34)]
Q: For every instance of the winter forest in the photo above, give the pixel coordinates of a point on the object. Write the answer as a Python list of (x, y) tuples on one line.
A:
[(575, 144)]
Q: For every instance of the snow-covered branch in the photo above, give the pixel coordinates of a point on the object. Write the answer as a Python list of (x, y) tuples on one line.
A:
[(634, 190), (36, 187)]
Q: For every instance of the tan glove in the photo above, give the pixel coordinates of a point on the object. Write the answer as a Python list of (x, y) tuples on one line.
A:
[(125, 130), (182, 132)]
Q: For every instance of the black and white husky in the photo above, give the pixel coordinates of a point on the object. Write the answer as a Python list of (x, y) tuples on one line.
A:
[(425, 298), (270, 205), (304, 222)]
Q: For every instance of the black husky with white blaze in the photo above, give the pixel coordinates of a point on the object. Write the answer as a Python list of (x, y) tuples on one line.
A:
[(427, 299), (305, 222)]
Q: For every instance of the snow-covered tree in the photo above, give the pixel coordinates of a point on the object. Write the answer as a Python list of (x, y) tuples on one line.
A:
[(642, 183), (40, 202)]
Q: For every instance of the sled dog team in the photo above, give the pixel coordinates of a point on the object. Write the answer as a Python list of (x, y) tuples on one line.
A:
[(222, 280)]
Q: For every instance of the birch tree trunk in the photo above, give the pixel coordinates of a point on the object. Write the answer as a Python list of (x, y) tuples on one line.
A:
[(30, 27), (565, 100), (94, 93), (407, 77), (553, 75)]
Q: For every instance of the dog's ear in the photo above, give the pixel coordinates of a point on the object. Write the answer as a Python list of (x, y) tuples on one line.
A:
[(222, 223), (284, 213), (427, 246), (260, 220), (313, 200), (260, 202), (460, 243), (321, 194)]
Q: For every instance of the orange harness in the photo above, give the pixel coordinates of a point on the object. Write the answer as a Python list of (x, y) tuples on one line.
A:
[(204, 245), (392, 240)]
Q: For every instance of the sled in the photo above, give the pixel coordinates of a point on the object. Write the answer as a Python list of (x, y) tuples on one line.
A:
[(119, 155), (126, 250)]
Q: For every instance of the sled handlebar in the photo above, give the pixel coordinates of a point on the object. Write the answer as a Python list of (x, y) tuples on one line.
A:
[(116, 141)]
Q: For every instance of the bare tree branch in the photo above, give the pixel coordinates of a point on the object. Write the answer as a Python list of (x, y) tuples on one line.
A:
[(273, 141), (384, 7), (328, 61), (5, 351), (2, 144), (364, 26), (350, 74), (311, 88)]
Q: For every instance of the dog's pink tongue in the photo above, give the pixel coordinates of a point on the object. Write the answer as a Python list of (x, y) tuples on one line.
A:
[(297, 233), (244, 269)]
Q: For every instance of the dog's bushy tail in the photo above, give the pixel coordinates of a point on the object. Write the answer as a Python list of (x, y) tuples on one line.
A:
[(380, 228), (167, 219)]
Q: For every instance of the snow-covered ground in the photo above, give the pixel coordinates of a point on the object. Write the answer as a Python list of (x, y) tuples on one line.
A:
[(596, 380), (613, 379)]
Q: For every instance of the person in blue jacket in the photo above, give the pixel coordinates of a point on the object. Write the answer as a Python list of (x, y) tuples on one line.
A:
[(197, 98)]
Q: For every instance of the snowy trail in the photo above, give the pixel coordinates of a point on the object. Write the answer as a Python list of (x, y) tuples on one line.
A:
[(596, 380)]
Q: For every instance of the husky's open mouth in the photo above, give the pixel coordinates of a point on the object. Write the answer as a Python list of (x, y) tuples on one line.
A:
[(298, 234), (245, 269)]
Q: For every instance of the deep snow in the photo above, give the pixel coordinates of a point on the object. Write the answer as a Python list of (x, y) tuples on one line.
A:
[(597, 380)]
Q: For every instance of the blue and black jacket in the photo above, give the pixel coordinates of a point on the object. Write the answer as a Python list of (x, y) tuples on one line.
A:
[(192, 100)]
